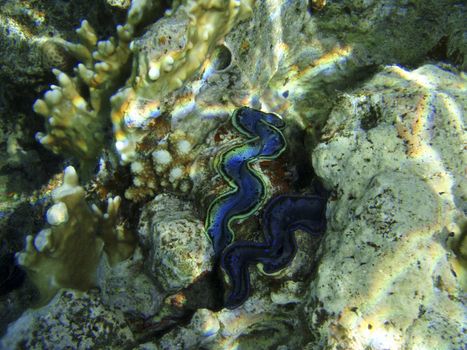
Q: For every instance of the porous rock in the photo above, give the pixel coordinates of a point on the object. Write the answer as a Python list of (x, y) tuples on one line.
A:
[(126, 287), (72, 320), (392, 154), (178, 252), (203, 326)]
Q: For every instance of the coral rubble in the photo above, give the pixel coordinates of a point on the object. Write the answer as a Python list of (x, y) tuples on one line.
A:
[(71, 320)]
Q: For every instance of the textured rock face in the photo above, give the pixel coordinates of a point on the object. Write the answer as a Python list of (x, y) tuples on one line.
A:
[(258, 323), (203, 327), (394, 158), (126, 287), (72, 320), (178, 251)]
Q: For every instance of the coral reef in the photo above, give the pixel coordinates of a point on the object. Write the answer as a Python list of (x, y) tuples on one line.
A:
[(122, 4), (202, 328), (259, 321), (368, 111), (75, 124)]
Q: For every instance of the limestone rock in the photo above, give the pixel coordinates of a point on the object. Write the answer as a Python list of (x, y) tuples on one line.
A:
[(393, 156), (72, 320), (203, 327), (178, 250), (126, 287)]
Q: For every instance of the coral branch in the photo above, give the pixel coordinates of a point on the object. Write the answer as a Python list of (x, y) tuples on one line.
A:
[(75, 125), (66, 254)]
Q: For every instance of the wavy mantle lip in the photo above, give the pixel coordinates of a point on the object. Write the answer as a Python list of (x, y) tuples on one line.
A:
[(248, 192), (283, 215), (248, 188)]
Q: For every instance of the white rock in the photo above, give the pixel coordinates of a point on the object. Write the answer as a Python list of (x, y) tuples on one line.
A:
[(393, 156)]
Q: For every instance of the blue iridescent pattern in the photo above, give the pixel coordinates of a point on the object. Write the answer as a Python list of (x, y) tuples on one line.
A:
[(281, 218), (248, 191), (247, 194)]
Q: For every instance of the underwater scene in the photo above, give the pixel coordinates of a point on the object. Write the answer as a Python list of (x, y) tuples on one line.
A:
[(233, 174)]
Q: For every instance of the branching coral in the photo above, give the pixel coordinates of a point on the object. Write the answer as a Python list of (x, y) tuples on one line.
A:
[(66, 254), (75, 124), (167, 56)]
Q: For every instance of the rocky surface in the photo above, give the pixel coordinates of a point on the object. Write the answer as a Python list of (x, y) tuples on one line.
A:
[(373, 95), (126, 287), (177, 250), (71, 320), (393, 156)]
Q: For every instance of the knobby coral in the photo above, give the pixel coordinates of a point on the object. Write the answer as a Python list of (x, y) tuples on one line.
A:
[(76, 124), (66, 254), (166, 166)]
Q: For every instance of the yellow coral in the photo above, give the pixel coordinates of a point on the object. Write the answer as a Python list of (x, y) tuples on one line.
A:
[(75, 125), (66, 254), (206, 24)]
